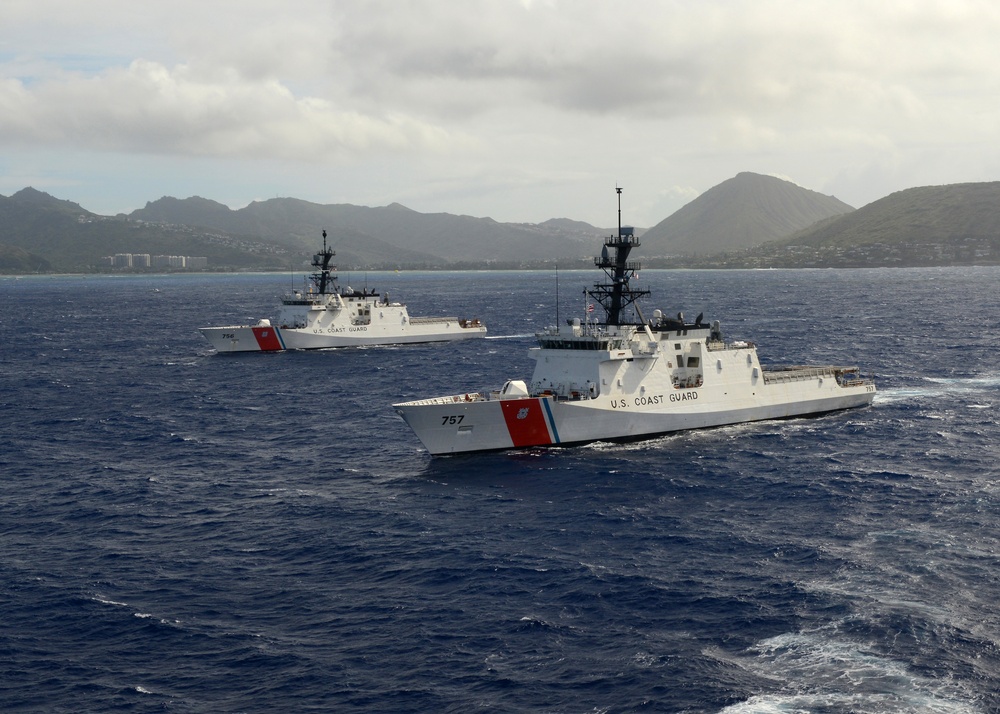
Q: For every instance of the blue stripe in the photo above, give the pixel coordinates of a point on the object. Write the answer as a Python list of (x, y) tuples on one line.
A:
[(552, 422), (281, 340)]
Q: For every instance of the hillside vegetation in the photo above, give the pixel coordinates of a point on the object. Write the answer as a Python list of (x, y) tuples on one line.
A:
[(744, 211), (955, 224), (61, 236), (747, 221), (19, 261), (391, 232)]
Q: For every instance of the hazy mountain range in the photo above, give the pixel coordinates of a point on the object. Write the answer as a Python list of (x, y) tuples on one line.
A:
[(955, 224), (748, 220), (743, 212)]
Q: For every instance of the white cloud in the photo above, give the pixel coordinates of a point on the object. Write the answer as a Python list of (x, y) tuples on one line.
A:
[(525, 105), (148, 108)]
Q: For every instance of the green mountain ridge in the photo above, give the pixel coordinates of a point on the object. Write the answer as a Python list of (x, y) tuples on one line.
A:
[(744, 211), (431, 238), (747, 221), (61, 236), (952, 224)]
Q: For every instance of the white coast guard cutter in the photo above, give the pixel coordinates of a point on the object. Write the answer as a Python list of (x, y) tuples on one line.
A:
[(323, 315), (617, 380)]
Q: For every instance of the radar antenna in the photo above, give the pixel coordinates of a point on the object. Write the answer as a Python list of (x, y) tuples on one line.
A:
[(616, 294), (324, 279)]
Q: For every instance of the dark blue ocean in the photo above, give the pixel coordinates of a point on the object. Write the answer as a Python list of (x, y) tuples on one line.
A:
[(186, 532)]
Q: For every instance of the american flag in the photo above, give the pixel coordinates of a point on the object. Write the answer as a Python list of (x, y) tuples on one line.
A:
[(590, 307)]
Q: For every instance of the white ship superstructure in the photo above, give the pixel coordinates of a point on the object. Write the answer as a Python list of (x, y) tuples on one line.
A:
[(617, 380), (323, 315)]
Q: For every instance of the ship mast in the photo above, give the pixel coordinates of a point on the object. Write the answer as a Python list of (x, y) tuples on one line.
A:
[(325, 282), (615, 295)]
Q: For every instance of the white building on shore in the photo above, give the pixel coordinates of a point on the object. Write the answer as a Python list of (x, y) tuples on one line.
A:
[(145, 261)]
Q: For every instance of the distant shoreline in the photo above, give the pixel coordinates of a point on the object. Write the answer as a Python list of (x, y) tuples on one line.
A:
[(700, 265)]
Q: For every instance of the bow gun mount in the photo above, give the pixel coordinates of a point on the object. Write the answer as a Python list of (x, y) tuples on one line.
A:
[(616, 294)]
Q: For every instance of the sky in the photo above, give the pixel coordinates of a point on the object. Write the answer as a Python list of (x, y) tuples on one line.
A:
[(517, 110)]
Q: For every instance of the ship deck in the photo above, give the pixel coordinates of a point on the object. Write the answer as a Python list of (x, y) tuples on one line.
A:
[(845, 376)]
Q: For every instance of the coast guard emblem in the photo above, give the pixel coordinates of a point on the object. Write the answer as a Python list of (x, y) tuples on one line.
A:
[(523, 413)]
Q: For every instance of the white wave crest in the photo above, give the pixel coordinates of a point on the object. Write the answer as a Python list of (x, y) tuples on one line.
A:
[(818, 673)]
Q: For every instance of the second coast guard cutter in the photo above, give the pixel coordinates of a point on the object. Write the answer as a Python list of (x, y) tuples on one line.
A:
[(324, 315), (621, 380)]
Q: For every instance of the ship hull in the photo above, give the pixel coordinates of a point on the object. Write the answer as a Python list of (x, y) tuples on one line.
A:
[(246, 338), (470, 423)]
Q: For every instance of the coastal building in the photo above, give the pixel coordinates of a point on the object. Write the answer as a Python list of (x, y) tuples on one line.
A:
[(145, 261)]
